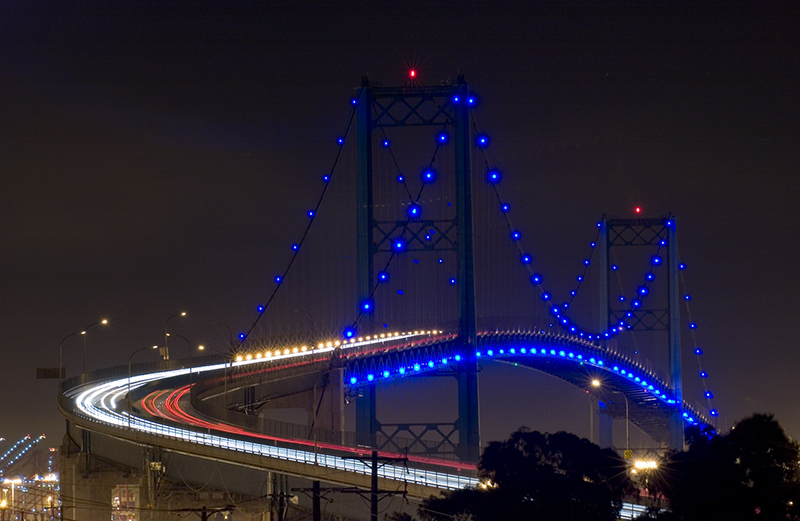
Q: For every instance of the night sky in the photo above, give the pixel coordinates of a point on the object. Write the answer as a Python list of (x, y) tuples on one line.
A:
[(153, 159)]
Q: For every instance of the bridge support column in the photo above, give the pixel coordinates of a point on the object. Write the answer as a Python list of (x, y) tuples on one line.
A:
[(605, 426), (367, 417), (469, 433), (676, 427)]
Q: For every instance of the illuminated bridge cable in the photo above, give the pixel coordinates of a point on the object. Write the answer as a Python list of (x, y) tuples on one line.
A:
[(559, 313), (399, 242), (698, 352), (312, 214)]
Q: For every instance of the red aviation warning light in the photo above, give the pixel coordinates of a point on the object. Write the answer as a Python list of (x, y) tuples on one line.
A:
[(412, 74), (638, 209)]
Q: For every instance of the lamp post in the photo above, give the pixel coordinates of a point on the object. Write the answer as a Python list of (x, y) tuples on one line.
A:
[(227, 358), (130, 403), (191, 363), (597, 384), (61, 347), (166, 332)]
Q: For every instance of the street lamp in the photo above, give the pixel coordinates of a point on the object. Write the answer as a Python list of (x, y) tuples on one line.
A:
[(166, 333), (227, 357), (597, 384), (191, 364), (61, 347), (130, 404)]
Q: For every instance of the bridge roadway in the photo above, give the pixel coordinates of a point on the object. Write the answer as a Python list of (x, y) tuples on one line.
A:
[(100, 401)]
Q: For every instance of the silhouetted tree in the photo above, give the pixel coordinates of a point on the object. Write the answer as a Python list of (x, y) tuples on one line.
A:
[(749, 474), (542, 477)]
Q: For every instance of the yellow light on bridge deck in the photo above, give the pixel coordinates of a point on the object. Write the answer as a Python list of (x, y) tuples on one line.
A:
[(596, 383), (249, 357), (258, 355), (304, 348), (645, 464), (239, 358), (330, 344), (295, 350), (321, 345)]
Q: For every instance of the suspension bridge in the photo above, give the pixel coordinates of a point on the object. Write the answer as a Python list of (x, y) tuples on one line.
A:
[(402, 273)]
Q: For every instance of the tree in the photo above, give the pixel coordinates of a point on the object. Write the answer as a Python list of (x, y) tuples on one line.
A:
[(749, 474), (539, 476)]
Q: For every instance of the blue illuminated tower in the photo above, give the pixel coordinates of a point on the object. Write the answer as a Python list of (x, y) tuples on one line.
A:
[(646, 232), (438, 106)]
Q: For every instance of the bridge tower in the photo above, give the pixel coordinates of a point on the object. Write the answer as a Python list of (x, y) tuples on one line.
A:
[(645, 232), (418, 106)]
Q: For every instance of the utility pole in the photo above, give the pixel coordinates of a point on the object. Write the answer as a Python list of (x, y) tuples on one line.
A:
[(377, 462)]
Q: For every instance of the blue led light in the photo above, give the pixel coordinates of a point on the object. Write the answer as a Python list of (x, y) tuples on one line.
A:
[(260, 309), (525, 259), (441, 261), (493, 176), (681, 266), (662, 242), (586, 262), (326, 178), (709, 395), (452, 280), (656, 260), (353, 380), (349, 332), (398, 244), (643, 290), (669, 223), (458, 358), (692, 326), (490, 352), (545, 296), (698, 351), (242, 336), (599, 224), (414, 211), (573, 292), (278, 279), (593, 244), (366, 306), (687, 297), (456, 99), (417, 367), (310, 213), (386, 143), (579, 278), (713, 412), (340, 140), (386, 374), (536, 278), (399, 291), (636, 303), (354, 101), (401, 179), (482, 141), (622, 298), (505, 208), (443, 137), (703, 374), (370, 377), (402, 370), (428, 175), (383, 276), (430, 363), (471, 100), (295, 247), (516, 235), (650, 276)]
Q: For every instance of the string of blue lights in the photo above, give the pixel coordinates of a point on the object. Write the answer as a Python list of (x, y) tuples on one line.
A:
[(698, 352), (312, 215), (493, 179), (413, 212)]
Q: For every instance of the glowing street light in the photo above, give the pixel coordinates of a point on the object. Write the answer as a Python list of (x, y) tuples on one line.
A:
[(83, 332), (597, 385), (166, 332)]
